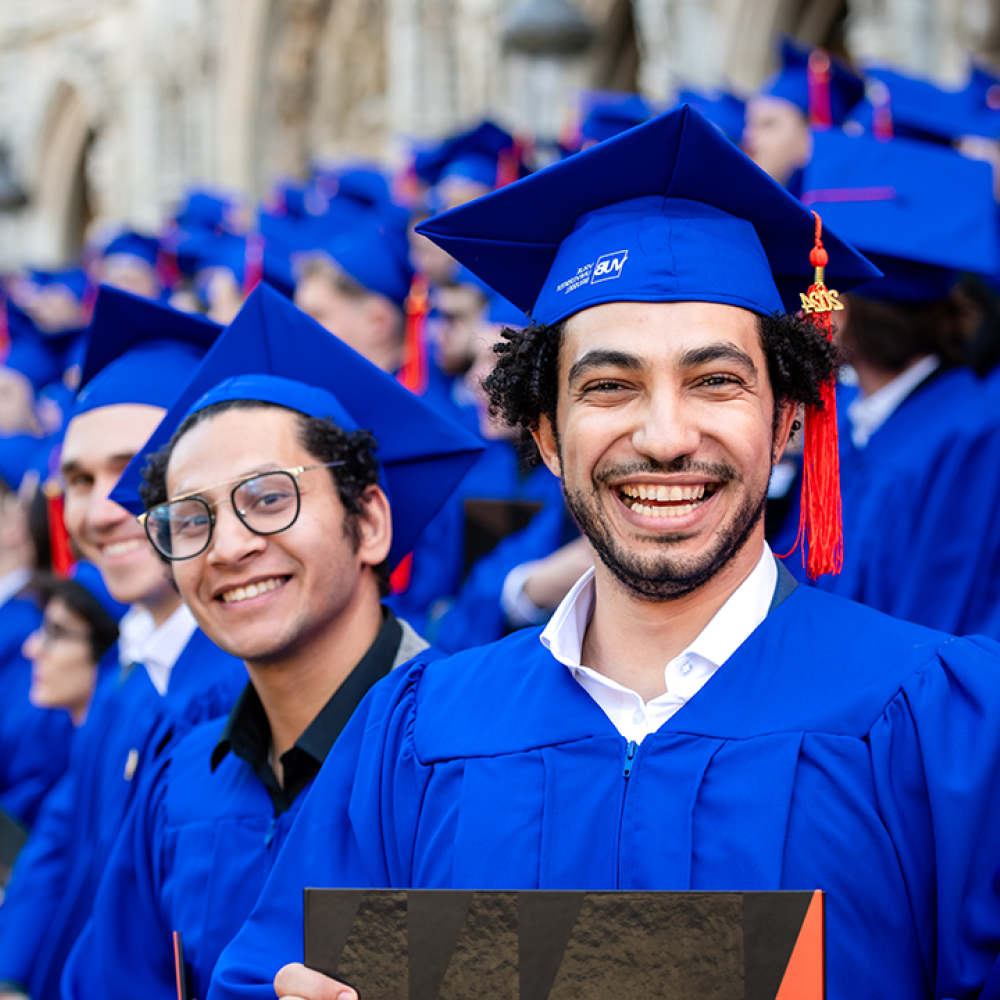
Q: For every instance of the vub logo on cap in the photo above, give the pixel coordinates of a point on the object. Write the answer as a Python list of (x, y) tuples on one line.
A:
[(609, 266)]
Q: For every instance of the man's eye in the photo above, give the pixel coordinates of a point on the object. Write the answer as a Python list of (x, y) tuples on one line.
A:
[(605, 385), (78, 484), (720, 380)]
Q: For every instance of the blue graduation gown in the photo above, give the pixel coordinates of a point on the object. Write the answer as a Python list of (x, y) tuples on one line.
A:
[(55, 878), (918, 534), (194, 854), (34, 742), (837, 749), (439, 555)]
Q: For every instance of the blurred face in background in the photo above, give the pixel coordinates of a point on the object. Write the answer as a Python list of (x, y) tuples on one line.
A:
[(17, 404), (133, 274), (98, 446), (428, 259), (458, 323), (63, 669), (776, 137)]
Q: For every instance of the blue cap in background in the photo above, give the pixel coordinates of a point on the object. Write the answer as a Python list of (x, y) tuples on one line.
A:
[(668, 211), (724, 110), (922, 213), (274, 352), (132, 244), (139, 352), (473, 155)]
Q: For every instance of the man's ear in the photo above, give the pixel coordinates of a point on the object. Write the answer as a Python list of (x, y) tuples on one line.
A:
[(374, 527), (783, 431), (545, 439)]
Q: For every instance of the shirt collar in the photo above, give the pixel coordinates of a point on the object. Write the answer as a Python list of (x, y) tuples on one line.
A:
[(160, 650), (13, 583), (732, 624), (868, 413), (248, 734)]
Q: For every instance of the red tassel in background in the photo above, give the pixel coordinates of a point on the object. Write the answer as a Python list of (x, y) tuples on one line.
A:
[(62, 549), (413, 371)]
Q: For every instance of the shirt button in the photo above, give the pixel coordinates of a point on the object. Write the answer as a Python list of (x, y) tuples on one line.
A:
[(638, 716), (684, 669)]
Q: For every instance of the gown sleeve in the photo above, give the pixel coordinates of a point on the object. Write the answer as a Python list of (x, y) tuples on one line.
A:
[(355, 830), (936, 762)]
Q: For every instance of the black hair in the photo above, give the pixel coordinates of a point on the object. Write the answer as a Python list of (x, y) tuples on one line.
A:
[(38, 528), (321, 437), (524, 383), (79, 600), (892, 335)]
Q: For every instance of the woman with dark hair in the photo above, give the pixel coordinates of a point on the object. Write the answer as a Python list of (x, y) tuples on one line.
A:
[(79, 625)]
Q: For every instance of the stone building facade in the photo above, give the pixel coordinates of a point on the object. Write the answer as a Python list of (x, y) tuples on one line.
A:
[(110, 108)]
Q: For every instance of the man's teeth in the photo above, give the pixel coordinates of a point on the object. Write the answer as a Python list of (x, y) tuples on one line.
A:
[(122, 548), (673, 497), (253, 590), (662, 493)]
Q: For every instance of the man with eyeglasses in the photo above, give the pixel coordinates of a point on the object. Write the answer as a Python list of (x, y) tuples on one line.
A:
[(270, 501), (171, 676)]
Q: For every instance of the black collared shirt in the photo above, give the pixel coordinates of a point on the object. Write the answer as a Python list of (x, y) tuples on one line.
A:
[(248, 733)]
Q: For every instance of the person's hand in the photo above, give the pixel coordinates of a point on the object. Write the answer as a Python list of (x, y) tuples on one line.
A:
[(554, 575), (296, 982)]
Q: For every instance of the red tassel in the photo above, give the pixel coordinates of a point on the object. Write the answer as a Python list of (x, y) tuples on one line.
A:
[(4, 332), (818, 72), (881, 102), (399, 579), (820, 520), (253, 263), (62, 548), (413, 371)]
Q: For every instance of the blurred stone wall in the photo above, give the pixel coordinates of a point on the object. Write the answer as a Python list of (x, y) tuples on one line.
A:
[(110, 108)]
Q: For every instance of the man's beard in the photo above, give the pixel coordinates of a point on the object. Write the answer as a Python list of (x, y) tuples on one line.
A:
[(663, 577)]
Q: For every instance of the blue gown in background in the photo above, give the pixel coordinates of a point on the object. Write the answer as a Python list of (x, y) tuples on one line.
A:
[(438, 574), (56, 875), (34, 742), (837, 749), (920, 519)]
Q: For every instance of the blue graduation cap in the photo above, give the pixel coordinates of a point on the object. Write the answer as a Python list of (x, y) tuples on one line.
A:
[(473, 155), (204, 211), (922, 213), (376, 255), (983, 94), (73, 279), (823, 88), (606, 114), (132, 244), (139, 351), (19, 453), (668, 211), (724, 110), (274, 352), (210, 250)]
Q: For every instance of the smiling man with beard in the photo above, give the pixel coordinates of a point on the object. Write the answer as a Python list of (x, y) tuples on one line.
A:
[(688, 719)]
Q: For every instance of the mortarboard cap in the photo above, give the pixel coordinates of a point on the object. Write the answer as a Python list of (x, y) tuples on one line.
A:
[(73, 279), (473, 155), (203, 211), (131, 244), (668, 211), (272, 351), (376, 256), (606, 114), (823, 88), (19, 454), (922, 213), (725, 111), (139, 352)]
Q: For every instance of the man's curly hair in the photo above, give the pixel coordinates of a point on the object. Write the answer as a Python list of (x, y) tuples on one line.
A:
[(322, 438), (524, 383)]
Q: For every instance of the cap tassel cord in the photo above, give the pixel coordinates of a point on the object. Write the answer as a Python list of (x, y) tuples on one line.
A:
[(820, 517), (818, 76), (59, 542), (413, 371)]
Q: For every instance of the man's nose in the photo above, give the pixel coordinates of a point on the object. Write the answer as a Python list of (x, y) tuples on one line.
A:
[(232, 541), (667, 427)]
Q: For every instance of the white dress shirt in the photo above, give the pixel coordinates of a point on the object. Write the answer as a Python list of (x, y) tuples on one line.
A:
[(157, 649), (12, 583), (868, 413), (685, 675)]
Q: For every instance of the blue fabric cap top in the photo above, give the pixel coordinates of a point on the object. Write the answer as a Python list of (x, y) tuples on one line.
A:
[(668, 211), (19, 453), (791, 82), (131, 244), (273, 352), (724, 110), (472, 155), (311, 400), (376, 256), (73, 279), (606, 114), (923, 212), (139, 352)]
